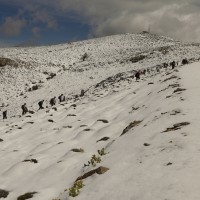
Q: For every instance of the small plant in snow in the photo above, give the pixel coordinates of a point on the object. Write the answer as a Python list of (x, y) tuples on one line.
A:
[(75, 189), (96, 158), (102, 152)]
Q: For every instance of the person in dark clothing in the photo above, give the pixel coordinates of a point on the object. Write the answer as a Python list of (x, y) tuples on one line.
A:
[(53, 101), (165, 65), (24, 109), (61, 98), (82, 93), (40, 103), (184, 61), (137, 75), (144, 72), (173, 64), (5, 114)]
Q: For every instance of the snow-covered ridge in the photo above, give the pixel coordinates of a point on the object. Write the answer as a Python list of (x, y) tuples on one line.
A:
[(61, 69), (144, 134)]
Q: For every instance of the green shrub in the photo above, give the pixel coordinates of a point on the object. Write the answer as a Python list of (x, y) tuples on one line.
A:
[(75, 189)]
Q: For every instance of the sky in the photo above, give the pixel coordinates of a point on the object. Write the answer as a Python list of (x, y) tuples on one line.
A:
[(47, 22)]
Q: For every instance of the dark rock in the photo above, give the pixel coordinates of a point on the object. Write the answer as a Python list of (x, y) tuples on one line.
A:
[(54, 108), (50, 120), (83, 125), (67, 126), (103, 120), (137, 58), (30, 122), (130, 126), (6, 61), (103, 139), (1, 140), (71, 115), (31, 160), (60, 142), (169, 164), (179, 90), (3, 193), (146, 144), (78, 150), (28, 195), (87, 129), (172, 77), (99, 170), (177, 126)]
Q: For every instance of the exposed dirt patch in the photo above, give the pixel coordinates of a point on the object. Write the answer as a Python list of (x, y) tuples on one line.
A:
[(99, 170), (103, 139), (3, 193), (177, 126), (130, 126), (28, 195)]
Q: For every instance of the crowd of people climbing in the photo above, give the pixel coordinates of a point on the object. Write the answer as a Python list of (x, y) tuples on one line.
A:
[(52, 102), (62, 98)]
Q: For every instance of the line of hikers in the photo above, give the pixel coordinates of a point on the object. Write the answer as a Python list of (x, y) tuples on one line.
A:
[(52, 102), (62, 98)]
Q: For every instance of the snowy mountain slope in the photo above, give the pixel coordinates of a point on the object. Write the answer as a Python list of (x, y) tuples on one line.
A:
[(152, 146), (60, 69)]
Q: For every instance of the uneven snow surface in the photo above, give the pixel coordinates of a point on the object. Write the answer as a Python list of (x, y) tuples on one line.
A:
[(151, 126)]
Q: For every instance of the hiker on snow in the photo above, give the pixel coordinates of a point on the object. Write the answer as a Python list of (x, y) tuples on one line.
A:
[(61, 98), (137, 75), (173, 64), (40, 103), (24, 109), (5, 114), (53, 101)]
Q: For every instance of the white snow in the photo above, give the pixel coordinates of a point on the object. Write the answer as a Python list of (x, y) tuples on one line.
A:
[(166, 169)]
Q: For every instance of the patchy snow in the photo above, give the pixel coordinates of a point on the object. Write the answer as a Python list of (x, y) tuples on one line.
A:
[(156, 157)]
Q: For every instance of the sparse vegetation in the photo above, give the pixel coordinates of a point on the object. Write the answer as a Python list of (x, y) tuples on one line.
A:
[(75, 189), (96, 158)]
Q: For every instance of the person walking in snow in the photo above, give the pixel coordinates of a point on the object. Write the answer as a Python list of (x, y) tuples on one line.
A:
[(137, 75), (5, 114), (53, 101), (61, 98), (173, 64), (24, 109), (40, 103)]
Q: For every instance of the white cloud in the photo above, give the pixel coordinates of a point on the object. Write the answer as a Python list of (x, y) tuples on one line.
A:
[(12, 26)]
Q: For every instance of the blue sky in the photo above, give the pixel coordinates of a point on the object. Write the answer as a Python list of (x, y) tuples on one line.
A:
[(18, 26), (43, 22)]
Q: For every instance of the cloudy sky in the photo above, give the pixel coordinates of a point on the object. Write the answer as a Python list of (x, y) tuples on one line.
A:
[(38, 22)]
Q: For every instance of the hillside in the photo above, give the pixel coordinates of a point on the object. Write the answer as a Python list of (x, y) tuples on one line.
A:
[(144, 134), (61, 69)]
